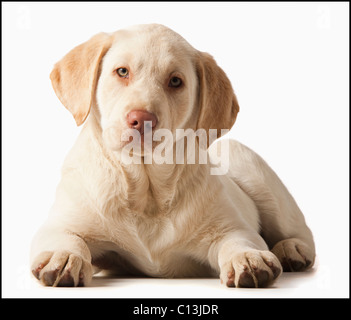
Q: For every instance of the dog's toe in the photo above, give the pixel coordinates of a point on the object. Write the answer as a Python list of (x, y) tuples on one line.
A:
[(294, 255)]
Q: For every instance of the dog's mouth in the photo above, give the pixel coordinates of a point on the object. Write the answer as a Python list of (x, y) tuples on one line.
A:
[(143, 136), (139, 141)]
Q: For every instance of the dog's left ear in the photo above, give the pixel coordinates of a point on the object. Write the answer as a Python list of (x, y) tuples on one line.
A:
[(217, 101), (74, 77)]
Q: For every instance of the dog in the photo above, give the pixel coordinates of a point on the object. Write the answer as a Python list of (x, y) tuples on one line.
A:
[(154, 218)]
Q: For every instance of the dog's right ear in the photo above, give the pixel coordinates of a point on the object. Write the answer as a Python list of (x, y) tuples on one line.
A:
[(74, 77)]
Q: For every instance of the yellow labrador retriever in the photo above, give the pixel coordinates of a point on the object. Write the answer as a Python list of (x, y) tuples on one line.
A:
[(119, 209)]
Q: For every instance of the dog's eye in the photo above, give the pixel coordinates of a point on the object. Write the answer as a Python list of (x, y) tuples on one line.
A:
[(122, 72), (175, 82)]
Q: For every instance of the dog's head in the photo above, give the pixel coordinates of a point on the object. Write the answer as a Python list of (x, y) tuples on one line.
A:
[(144, 74)]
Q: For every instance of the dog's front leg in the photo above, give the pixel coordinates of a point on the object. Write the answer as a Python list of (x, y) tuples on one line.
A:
[(60, 258), (245, 261)]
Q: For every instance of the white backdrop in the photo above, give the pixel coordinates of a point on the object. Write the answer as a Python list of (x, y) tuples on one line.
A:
[(289, 65)]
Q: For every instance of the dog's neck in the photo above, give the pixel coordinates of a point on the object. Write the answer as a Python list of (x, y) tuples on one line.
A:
[(154, 188)]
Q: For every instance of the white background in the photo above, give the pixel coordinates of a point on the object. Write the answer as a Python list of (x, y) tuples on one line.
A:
[(288, 63)]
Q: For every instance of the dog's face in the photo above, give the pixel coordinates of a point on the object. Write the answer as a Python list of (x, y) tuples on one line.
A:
[(145, 74), (148, 73)]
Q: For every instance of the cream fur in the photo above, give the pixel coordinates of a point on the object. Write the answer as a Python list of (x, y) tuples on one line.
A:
[(168, 220)]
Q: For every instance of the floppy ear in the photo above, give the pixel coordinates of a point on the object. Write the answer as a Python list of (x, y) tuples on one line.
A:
[(74, 77), (217, 101)]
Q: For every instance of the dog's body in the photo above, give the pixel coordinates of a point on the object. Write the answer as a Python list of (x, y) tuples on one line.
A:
[(161, 220)]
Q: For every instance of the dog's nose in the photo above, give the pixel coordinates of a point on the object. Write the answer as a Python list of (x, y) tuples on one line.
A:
[(136, 119)]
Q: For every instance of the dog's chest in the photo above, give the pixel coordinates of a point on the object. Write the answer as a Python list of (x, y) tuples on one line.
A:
[(155, 248), (153, 242)]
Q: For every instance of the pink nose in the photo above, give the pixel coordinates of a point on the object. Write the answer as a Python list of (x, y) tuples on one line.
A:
[(136, 119)]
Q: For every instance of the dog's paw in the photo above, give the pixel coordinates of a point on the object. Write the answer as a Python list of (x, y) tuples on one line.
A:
[(62, 269), (251, 269), (294, 254)]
